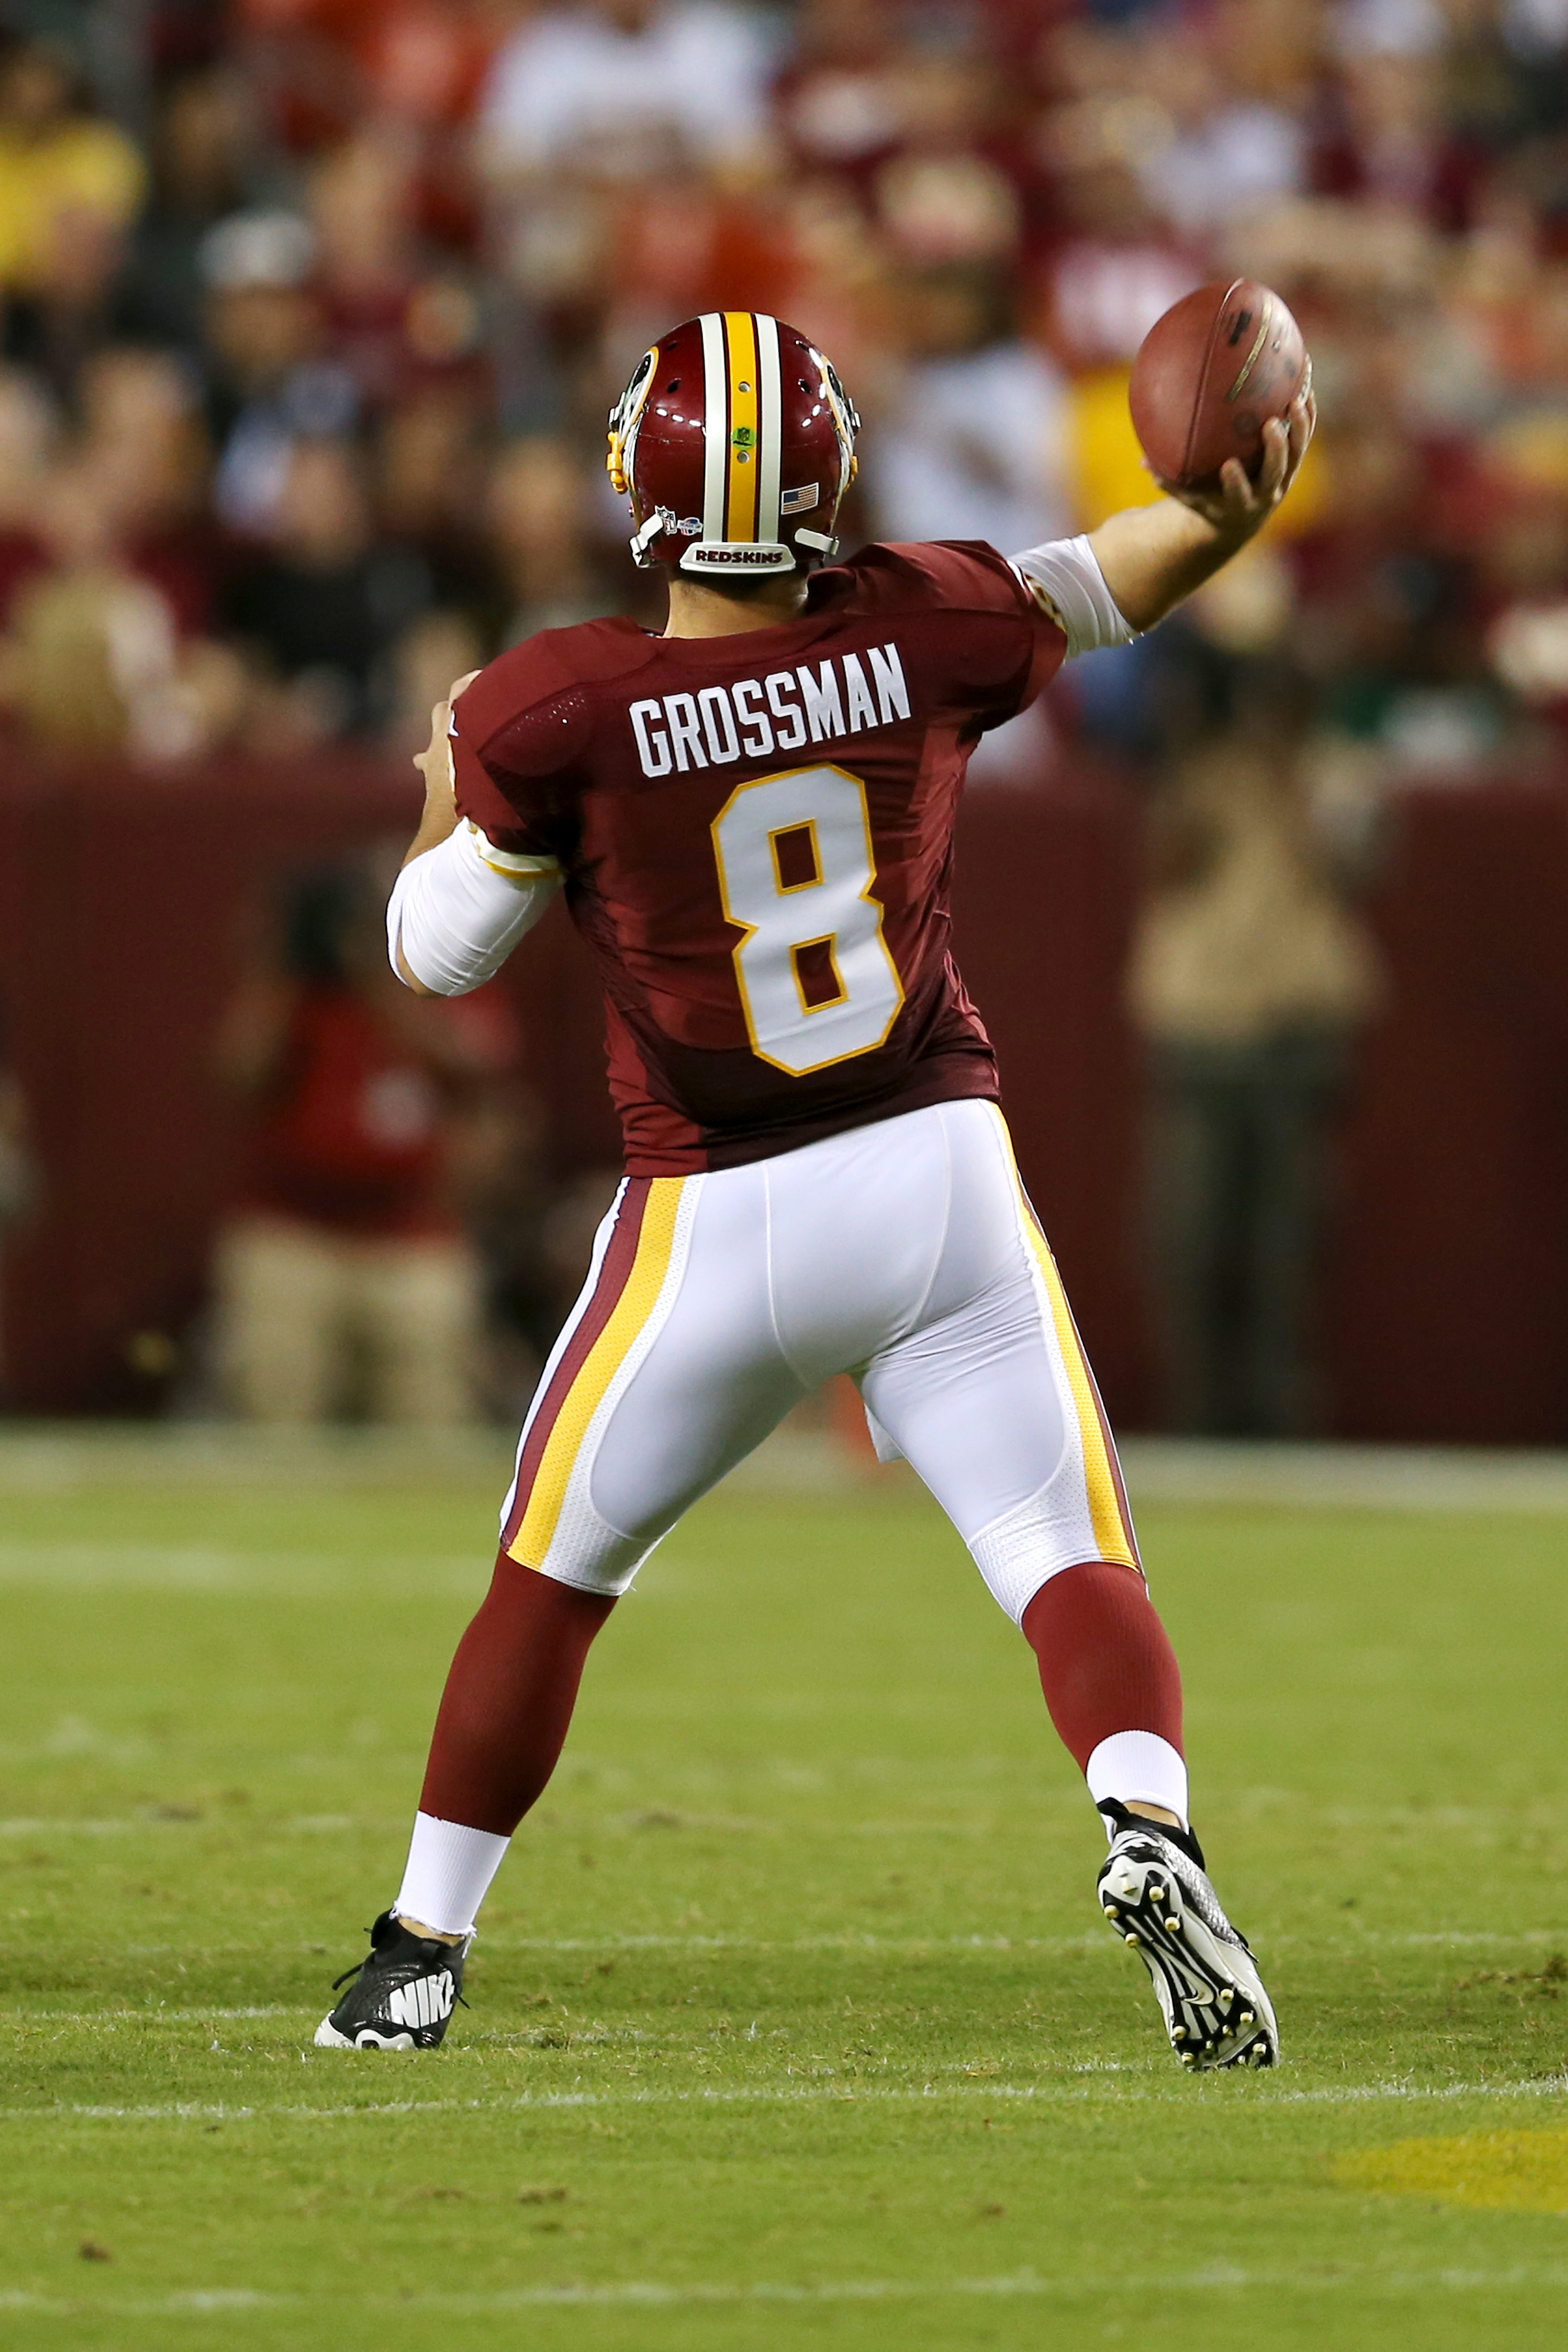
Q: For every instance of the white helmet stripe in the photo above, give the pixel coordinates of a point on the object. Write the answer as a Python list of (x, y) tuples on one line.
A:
[(770, 425), (715, 424)]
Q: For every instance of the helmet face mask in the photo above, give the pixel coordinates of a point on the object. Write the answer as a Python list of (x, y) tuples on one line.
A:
[(734, 442)]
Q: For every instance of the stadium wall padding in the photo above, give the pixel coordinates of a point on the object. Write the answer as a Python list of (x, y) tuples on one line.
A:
[(124, 897)]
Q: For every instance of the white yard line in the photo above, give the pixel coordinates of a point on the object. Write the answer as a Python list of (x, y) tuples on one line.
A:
[(104, 1564), (916, 1946), (872, 1945), (73, 1456), (67, 1455), (658, 2294), (152, 2016), (838, 2094), (74, 1825), (1337, 1477), (849, 1946), (64, 1828)]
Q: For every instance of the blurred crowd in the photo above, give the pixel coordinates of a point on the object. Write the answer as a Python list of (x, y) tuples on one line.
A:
[(312, 312)]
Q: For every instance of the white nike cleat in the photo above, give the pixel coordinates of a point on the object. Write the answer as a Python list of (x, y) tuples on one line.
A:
[(402, 1995), (1155, 1893)]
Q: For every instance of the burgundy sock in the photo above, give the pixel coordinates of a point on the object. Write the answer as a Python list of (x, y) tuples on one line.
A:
[(1106, 1662), (509, 1698)]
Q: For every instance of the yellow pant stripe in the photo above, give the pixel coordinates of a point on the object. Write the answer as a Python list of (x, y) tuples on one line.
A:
[(745, 452), (1112, 1535), (655, 1244)]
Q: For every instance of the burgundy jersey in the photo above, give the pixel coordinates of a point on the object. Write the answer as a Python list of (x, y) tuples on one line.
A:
[(756, 836)]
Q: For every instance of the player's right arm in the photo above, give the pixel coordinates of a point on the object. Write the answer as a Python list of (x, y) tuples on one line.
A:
[(1152, 557), (460, 904), (1106, 587)]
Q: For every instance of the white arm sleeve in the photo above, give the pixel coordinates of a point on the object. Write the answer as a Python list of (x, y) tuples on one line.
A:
[(458, 911), (1065, 580)]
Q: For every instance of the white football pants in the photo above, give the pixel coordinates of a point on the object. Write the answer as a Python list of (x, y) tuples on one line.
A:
[(904, 1253)]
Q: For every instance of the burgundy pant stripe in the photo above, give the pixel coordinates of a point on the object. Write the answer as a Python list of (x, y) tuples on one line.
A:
[(614, 1275)]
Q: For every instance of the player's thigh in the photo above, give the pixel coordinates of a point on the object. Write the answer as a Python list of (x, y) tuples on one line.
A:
[(419, 1308), (995, 1405), (668, 1373), (857, 1233), (281, 1301)]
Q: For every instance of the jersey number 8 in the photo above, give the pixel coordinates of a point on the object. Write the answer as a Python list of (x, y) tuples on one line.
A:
[(795, 871)]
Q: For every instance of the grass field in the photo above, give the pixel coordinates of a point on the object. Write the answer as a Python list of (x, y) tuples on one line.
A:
[(793, 2022)]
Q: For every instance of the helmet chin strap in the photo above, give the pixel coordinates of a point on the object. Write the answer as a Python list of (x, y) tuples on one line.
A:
[(772, 559), (658, 522)]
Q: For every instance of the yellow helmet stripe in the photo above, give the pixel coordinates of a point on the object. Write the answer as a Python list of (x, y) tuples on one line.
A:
[(741, 514)]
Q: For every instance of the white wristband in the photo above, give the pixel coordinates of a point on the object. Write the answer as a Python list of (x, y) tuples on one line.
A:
[(1065, 580), (456, 912)]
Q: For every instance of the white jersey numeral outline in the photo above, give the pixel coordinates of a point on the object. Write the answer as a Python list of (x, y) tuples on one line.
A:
[(835, 912)]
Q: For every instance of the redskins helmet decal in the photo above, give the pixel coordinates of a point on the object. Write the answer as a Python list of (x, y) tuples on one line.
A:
[(734, 442)]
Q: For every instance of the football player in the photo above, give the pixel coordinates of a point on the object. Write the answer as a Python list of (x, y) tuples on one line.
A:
[(750, 817)]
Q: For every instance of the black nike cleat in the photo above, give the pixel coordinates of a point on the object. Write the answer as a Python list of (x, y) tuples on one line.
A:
[(1155, 1893), (402, 1992)]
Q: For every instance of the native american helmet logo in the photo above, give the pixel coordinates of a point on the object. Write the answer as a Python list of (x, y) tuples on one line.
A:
[(624, 419)]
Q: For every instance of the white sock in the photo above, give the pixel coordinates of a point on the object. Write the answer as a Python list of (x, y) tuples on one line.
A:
[(448, 1874), (1139, 1768)]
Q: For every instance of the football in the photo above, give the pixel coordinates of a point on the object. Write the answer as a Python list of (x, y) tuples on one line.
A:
[(1208, 376)]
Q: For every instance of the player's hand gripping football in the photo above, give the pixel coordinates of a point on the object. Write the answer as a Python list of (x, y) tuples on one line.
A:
[(1239, 507), (1151, 557)]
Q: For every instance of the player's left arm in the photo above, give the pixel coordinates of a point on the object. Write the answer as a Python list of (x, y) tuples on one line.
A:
[(460, 905), (1121, 578)]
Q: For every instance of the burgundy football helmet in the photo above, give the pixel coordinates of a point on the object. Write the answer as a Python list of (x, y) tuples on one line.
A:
[(734, 442)]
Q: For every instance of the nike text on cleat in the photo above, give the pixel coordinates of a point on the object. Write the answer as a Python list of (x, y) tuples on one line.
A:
[(1155, 1892), (402, 1995)]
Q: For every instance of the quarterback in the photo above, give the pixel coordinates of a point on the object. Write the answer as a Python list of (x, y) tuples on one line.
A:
[(751, 818)]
